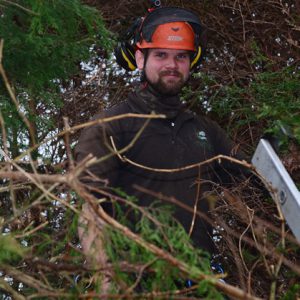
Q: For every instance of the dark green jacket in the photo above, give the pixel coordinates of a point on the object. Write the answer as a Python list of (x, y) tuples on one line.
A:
[(181, 139)]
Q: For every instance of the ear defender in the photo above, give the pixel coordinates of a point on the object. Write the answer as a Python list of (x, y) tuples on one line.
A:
[(196, 58), (125, 57)]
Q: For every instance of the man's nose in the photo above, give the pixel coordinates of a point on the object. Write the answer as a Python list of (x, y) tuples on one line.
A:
[(172, 63)]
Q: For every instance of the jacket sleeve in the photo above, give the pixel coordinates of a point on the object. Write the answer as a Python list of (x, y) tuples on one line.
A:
[(95, 141), (227, 171)]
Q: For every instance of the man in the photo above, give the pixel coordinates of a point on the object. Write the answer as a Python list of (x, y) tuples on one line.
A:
[(167, 46)]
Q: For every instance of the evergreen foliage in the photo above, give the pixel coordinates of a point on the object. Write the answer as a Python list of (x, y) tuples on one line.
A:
[(48, 42), (271, 99), (159, 275), (10, 250), (44, 43)]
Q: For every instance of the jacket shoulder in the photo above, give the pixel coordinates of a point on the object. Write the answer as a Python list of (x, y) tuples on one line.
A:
[(118, 109)]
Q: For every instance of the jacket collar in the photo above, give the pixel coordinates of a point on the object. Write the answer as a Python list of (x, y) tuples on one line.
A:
[(146, 100)]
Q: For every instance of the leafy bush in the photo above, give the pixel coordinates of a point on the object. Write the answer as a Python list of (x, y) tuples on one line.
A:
[(271, 99)]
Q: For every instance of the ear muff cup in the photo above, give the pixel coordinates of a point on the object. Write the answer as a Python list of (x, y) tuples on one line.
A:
[(125, 57)]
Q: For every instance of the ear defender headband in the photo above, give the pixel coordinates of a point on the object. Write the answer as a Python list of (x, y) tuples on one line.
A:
[(152, 32)]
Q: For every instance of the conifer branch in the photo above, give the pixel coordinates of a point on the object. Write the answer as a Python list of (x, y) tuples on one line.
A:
[(160, 253), (13, 96), (20, 7)]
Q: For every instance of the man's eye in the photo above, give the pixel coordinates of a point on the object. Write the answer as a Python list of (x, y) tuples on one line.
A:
[(182, 56), (160, 54)]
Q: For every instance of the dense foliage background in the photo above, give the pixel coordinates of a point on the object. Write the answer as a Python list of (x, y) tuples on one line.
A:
[(57, 71)]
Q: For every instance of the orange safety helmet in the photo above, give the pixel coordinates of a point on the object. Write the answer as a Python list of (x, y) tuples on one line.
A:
[(164, 27), (174, 35)]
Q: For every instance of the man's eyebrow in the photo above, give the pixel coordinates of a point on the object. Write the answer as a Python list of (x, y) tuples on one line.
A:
[(159, 50), (183, 52), (165, 51)]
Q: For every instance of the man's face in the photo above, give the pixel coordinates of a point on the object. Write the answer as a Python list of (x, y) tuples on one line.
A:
[(166, 70)]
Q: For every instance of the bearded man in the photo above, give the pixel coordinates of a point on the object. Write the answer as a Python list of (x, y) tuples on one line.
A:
[(167, 47)]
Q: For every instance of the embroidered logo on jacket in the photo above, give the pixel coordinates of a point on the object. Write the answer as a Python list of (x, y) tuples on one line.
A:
[(202, 139), (202, 136)]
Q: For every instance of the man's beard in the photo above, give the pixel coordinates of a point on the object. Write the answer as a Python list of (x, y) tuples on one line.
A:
[(170, 87)]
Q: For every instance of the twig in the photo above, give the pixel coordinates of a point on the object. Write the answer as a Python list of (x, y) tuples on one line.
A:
[(250, 274), (243, 23), (242, 235), (36, 179), (187, 167), (196, 203), (15, 187), (6, 287), (4, 135), (176, 295), (18, 175), (275, 270), (19, 236), (90, 160), (13, 198), (91, 123), (28, 280), (67, 143), (21, 7), (13, 97), (140, 274)]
